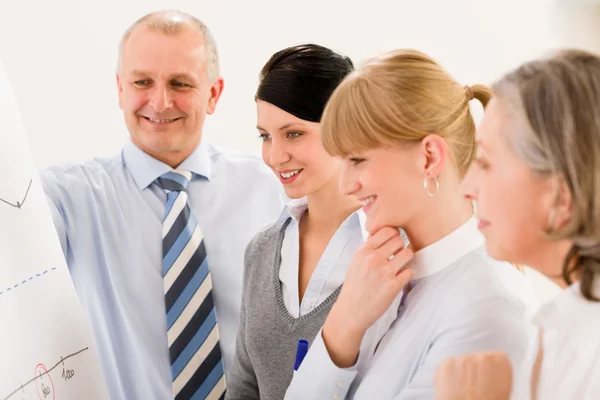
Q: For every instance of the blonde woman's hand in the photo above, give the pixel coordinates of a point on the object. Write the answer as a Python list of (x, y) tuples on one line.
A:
[(375, 277), (479, 376)]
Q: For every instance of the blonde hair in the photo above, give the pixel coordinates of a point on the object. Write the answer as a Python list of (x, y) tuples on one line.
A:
[(556, 99), (173, 22), (401, 97)]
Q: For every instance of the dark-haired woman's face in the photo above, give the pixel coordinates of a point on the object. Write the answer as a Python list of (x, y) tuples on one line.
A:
[(292, 149)]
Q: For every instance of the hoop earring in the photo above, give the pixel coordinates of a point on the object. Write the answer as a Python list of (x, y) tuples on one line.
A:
[(426, 186)]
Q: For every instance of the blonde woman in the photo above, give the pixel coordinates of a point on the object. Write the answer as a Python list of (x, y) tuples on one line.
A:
[(539, 147), (403, 128)]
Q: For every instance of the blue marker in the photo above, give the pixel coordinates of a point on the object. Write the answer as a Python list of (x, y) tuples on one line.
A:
[(301, 351)]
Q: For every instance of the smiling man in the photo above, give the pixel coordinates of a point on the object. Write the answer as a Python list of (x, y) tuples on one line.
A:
[(155, 236)]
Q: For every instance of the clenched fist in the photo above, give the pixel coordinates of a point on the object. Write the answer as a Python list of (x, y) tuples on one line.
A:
[(479, 376)]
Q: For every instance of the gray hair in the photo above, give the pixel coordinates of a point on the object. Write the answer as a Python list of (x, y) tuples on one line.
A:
[(555, 103), (172, 22)]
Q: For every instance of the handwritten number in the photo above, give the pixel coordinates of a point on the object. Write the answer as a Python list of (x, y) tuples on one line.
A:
[(68, 374)]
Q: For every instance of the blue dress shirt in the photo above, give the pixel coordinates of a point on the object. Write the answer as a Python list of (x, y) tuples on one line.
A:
[(108, 214)]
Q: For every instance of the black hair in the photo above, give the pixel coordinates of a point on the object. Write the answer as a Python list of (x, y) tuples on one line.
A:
[(300, 79)]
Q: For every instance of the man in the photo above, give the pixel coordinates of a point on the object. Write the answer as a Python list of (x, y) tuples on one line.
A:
[(144, 242)]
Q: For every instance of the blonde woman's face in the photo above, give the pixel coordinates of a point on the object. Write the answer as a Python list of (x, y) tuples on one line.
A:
[(513, 201), (388, 182)]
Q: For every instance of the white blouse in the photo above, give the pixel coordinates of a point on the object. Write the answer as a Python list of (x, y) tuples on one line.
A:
[(331, 269), (570, 327), (461, 302)]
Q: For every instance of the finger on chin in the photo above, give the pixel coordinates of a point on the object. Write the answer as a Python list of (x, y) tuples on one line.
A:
[(381, 236)]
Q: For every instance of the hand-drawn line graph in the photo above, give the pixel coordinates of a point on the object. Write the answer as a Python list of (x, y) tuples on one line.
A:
[(15, 286), (18, 204), (41, 371)]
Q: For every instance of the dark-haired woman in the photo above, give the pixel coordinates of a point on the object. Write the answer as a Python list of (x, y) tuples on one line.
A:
[(294, 268)]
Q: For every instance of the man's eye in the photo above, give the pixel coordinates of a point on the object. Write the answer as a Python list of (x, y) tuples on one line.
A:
[(180, 85)]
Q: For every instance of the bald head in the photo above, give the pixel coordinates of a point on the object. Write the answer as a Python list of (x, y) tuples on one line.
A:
[(172, 22)]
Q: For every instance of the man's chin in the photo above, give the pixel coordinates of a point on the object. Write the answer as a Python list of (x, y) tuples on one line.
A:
[(156, 148), (164, 146)]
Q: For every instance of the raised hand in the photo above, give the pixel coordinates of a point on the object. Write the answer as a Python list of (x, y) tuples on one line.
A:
[(377, 274)]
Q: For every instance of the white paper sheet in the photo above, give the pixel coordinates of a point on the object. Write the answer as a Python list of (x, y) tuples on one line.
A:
[(46, 349)]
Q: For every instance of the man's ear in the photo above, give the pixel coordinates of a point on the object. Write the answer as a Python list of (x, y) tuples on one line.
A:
[(120, 90), (215, 93)]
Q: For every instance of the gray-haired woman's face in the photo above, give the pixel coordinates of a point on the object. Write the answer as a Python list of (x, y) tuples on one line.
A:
[(513, 202)]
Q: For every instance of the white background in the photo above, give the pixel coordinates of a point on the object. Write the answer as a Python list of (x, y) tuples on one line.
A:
[(41, 318), (60, 55)]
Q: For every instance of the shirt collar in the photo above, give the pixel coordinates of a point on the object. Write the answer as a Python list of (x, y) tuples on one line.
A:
[(568, 306), (441, 254), (296, 207), (145, 169)]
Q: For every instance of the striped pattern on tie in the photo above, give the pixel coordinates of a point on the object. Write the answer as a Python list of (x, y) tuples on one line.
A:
[(193, 335)]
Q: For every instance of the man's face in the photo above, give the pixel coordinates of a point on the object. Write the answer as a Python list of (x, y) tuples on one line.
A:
[(165, 92)]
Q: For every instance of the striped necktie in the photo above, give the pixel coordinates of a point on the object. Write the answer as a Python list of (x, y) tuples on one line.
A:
[(193, 335)]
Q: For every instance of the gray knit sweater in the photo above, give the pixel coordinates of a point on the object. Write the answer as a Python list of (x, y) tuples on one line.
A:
[(268, 334)]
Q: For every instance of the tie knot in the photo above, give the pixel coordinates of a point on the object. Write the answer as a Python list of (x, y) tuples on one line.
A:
[(175, 180)]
